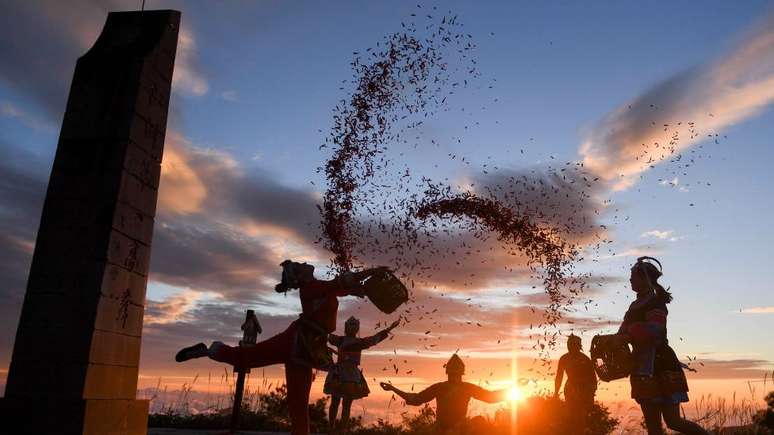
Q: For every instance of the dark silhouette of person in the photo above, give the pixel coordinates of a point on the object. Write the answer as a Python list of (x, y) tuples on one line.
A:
[(346, 383), (451, 397), (251, 328), (303, 345), (657, 378), (581, 382)]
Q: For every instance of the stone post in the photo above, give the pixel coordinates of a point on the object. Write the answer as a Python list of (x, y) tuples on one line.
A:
[(77, 350)]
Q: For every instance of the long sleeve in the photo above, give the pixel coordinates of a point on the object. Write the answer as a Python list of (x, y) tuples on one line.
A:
[(424, 396), (376, 338), (334, 340), (652, 329), (319, 288), (485, 395)]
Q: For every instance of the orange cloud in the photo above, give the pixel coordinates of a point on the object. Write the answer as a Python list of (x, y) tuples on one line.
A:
[(181, 190), (758, 310), (172, 309)]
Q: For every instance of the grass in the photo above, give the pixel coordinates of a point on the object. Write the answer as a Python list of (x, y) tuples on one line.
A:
[(737, 415), (264, 407)]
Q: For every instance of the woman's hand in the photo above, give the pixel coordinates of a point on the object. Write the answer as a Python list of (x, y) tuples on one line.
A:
[(386, 387)]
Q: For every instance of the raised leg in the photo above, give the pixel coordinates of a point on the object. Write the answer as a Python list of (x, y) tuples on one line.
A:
[(299, 380), (274, 350), (198, 350)]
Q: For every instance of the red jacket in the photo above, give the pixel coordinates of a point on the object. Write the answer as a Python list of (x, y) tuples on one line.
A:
[(319, 302)]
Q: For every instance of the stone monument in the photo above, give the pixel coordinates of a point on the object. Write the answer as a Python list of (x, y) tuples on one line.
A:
[(77, 350)]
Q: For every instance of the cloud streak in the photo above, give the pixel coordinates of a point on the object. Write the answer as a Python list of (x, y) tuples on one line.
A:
[(188, 77), (684, 109), (659, 234), (10, 110), (758, 310)]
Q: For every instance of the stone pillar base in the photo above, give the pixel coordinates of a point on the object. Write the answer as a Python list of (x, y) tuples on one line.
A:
[(74, 417)]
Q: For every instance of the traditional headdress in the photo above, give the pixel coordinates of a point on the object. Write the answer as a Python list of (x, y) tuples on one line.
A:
[(651, 273), (648, 268), (455, 366), (292, 275)]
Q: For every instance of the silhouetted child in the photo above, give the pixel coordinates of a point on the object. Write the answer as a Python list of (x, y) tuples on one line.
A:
[(581, 382), (346, 383), (451, 397), (251, 329)]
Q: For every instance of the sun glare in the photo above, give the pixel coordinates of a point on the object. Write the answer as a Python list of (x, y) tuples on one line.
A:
[(515, 394)]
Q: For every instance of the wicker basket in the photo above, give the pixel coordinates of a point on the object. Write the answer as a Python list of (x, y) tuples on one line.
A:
[(386, 291), (611, 356)]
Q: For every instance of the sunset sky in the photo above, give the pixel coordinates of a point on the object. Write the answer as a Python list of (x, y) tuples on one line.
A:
[(254, 86)]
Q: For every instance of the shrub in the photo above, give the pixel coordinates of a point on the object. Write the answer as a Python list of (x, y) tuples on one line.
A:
[(764, 419)]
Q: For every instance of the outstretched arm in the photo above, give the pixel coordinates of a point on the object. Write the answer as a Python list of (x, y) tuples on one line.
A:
[(342, 285), (413, 399), (320, 288), (351, 283), (381, 335), (363, 274), (334, 340), (487, 396), (346, 284)]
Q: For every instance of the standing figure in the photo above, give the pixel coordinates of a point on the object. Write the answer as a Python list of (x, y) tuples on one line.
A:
[(251, 329), (346, 383), (657, 378), (451, 397), (303, 345), (581, 385)]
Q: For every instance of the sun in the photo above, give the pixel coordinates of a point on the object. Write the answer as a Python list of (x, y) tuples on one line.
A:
[(515, 394)]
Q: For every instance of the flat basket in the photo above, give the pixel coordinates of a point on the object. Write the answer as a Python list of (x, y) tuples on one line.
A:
[(386, 291), (611, 356)]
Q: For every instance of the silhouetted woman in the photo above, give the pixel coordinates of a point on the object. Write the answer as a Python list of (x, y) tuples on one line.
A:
[(303, 345), (657, 379)]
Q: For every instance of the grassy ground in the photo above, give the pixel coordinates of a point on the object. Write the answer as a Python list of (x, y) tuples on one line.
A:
[(167, 431), (266, 409)]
